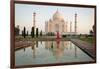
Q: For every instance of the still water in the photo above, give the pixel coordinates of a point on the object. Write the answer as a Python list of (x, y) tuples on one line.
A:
[(46, 52)]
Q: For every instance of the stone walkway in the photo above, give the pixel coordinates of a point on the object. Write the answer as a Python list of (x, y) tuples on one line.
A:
[(23, 44), (86, 47)]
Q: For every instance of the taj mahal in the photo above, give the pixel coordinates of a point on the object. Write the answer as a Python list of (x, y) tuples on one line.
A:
[(58, 24)]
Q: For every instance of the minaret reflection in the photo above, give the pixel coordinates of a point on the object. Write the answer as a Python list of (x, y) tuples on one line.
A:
[(46, 45), (70, 45), (24, 49), (33, 50), (75, 51)]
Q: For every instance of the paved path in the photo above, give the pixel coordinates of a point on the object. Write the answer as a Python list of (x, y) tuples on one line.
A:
[(86, 47), (23, 44)]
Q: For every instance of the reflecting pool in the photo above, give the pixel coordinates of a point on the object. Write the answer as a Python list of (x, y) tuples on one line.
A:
[(47, 52)]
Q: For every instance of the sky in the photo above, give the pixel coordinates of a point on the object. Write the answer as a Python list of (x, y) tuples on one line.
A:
[(24, 16)]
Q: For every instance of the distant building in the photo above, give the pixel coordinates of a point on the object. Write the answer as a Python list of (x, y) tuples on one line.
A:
[(57, 23)]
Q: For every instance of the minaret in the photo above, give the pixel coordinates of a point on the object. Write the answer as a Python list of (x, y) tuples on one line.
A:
[(34, 15), (75, 23), (70, 27), (46, 26)]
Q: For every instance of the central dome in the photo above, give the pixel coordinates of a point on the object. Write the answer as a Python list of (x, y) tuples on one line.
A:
[(58, 16)]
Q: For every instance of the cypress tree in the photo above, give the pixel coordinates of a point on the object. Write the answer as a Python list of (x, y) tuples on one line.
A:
[(24, 32), (32, 32), (36, 32)]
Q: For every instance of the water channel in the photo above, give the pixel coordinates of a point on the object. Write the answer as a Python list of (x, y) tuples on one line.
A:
[(48, 52)]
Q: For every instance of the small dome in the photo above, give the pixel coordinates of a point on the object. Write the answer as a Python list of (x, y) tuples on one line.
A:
[(58, 16)]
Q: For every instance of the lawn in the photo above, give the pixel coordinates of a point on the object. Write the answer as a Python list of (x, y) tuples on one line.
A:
[(88, 39)]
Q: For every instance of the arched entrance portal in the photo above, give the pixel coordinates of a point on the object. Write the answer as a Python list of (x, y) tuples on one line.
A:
[(57, 27), (57, 30)]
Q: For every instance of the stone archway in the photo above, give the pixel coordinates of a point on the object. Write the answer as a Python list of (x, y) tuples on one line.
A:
[(56, 27)]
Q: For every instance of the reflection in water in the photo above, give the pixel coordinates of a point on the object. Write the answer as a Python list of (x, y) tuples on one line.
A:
[(52, 45), (36, 43), (33, 50), (57, 41), (70, 45), (75, 49), (56, 47), (44, 52), (75, 52), (24, 49), (41, 41)]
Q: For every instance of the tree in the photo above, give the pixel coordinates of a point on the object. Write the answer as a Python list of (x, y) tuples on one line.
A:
[(32, 32), (41, 33), (36, 32), (91, 32), (93, 27), (50, 34), (17, 30), (80, 35), (24, 32)]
